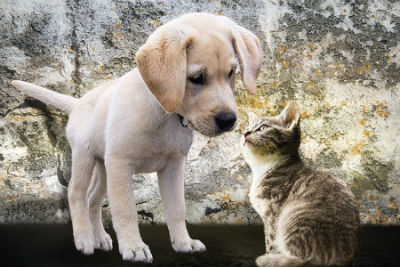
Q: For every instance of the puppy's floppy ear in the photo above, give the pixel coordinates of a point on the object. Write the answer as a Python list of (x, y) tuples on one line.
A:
[(162, 63), (247, 47)]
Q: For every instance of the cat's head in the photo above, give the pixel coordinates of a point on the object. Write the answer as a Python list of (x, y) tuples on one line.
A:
[(277, 136)]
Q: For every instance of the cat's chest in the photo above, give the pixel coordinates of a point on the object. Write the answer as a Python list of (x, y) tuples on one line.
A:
[(263, 200), (263, 206), (260, 205)]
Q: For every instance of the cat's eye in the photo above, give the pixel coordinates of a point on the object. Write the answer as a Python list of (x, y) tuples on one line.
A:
[(197, 79), (262, 128)]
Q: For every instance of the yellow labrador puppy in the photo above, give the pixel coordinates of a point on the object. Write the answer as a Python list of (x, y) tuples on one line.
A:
[(138, 124)]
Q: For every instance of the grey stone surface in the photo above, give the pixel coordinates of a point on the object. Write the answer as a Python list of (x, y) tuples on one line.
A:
[(338, 59)]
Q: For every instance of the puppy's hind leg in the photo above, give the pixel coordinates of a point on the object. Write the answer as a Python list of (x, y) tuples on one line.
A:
[(97, 191), (82, 169)]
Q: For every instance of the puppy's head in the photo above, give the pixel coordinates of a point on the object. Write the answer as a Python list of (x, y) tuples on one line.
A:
[(189, 65)]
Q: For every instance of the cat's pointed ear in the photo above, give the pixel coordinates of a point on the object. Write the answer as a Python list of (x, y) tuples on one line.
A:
[(252, 118), (290, 116)]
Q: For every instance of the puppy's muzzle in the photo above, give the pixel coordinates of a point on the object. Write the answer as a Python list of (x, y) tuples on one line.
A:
[(225, 121)]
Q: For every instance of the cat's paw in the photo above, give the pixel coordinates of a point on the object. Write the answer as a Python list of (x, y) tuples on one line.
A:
[(262, 260), (270, 260), (189, 246)]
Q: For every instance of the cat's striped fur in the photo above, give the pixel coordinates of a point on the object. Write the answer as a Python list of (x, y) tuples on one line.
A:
[(310, 217)]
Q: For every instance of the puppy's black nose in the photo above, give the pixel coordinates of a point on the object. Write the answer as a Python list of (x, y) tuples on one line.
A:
[(225, 120)]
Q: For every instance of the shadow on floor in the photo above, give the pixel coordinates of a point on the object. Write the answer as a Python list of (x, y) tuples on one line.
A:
[(52, 245)]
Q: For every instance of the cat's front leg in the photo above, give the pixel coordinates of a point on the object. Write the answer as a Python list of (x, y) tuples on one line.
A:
[(269, 233), (171, 184)]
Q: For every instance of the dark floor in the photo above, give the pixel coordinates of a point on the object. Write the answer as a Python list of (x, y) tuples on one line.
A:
[(52, 245)]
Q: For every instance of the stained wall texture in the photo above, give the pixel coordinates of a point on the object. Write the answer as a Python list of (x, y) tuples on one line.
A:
[(340, 60)]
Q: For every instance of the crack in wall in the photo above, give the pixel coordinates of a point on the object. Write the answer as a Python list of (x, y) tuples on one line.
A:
[(73, 6)]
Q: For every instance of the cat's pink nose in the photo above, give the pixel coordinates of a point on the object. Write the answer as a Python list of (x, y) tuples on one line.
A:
[(247, 133)]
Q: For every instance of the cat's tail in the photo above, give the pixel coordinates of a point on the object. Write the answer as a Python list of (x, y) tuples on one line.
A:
[(63, 102), (280, 260)]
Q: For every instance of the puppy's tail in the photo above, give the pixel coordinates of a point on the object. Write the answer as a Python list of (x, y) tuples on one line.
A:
[(63, 102)]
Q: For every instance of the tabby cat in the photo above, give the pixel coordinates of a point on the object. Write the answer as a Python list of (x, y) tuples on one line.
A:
[(310, 217)]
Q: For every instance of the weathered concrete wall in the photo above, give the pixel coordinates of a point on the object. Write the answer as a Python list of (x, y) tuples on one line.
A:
[(339, 59)]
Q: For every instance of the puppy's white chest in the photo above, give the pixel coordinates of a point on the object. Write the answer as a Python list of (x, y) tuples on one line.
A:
[(161, 148), (148, 165)]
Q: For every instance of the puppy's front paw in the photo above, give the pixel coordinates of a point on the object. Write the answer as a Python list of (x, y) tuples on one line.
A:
[(138, 252), (103, 241), (84, 242), (190, 246)]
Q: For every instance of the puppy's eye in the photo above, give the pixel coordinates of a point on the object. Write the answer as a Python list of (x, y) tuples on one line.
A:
[(230, 73), (198, 79)]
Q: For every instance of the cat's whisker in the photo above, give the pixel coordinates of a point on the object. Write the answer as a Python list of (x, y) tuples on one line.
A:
[(273, 138), (276, 148)]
